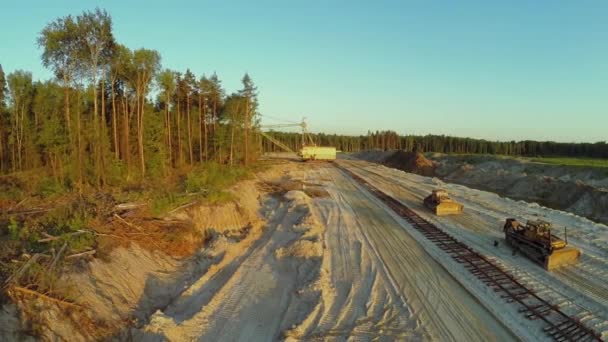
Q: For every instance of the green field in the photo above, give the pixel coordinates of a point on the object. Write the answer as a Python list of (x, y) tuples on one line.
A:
[(582, 162), (564, 161)]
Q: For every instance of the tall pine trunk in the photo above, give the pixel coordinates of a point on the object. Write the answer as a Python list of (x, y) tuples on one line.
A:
[(168, 123), (140, 130), (179, 135), (114, 123), (189, 127), (103, 131), (247, 133), (200, 127)]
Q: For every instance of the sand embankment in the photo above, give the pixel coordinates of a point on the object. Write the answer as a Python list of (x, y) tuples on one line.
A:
[(578, 190)]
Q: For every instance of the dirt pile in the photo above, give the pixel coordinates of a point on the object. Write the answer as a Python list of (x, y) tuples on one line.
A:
[(407, 161), (374, 156), (410, 162)]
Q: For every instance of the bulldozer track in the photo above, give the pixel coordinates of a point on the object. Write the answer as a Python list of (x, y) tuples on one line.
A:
[(558, 325)]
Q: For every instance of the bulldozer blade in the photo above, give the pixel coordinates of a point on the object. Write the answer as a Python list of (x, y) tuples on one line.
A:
[(448, 209), (561, 257)]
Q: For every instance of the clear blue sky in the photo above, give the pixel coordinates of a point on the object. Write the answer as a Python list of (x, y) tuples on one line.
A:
[(488, 69)]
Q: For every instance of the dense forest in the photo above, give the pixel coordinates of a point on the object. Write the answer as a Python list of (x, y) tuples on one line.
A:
[(389, 140), (113, 114)]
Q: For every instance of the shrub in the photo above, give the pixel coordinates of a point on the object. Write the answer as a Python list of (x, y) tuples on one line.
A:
[(213, 177), (13, 229), (48, 187)]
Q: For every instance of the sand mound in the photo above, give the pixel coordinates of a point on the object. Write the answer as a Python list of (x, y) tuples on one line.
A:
[(411, 162), (301, 249), (575, 189), (374, 156)]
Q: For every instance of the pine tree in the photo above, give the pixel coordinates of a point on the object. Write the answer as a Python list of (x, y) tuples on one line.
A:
[(249, 93)]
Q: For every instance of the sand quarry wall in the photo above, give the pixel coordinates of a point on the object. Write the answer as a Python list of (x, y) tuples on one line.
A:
[(579, 190), (122, 290)]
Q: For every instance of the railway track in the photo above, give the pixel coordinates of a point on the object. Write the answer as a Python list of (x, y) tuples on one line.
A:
[(557, 324)]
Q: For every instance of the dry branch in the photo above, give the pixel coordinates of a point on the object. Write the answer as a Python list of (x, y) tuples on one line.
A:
[(127, 223), (43, 296), (17, 205), (65, 245), (183, 206), (77, 255), (17, 275), (128, 206), (30, 211), (49, 237)]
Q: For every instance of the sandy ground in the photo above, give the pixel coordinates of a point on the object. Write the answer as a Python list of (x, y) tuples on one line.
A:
[(333, 267), (307, 254), (580, 290), (580, 190)]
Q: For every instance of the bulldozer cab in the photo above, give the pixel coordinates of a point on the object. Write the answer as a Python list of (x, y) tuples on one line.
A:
[(440, 194), (539, 228)]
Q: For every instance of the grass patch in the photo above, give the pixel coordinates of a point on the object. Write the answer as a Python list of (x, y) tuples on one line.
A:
[(569, 161), (213, 177), (562, 161), (206, 183)]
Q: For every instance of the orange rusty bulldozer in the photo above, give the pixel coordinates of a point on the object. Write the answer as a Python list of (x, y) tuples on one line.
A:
[(441, 204), (536, 241)]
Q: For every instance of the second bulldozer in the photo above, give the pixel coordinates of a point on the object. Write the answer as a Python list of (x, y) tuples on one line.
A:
[(441, 204), (536, 241)]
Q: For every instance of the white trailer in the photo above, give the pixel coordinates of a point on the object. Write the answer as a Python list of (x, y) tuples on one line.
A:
[(317, 153)]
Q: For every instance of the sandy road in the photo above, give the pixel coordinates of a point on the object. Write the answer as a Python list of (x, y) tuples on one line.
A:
[(443, 307), (372, 280)]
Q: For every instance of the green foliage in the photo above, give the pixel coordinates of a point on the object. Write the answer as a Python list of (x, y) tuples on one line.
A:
[(207, 183), (115, 172), (154, 146), (48, 187), (3, 89), (579, 162), (165, 201), (213, 177), (13, 229), (12, 188)]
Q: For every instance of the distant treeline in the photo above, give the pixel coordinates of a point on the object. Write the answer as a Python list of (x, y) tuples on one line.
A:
[(388, 140)]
